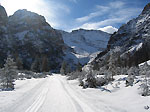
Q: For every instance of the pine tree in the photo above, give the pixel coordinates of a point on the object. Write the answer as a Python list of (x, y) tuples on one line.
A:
[(36, 65), (112, 67), (63, 70), (91, 80), (132, 72), (45, 64), (68, 69), (145, 71), (8, 74), (79, 67), (19, 63)]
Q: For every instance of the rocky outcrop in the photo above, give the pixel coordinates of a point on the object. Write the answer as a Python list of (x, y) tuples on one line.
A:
[(3, 16), (146, 9), (28, 36)]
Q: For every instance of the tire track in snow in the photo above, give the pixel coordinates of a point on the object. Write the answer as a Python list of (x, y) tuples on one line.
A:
[(77, 105), (80, 106), (38, 102), (26, 98)]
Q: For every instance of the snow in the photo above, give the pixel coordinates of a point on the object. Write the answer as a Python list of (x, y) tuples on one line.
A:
[(86, 41), (115, 97), (109, 29), (136, 47), (148, 62), (142, 20), (57, 94), (25, 92)]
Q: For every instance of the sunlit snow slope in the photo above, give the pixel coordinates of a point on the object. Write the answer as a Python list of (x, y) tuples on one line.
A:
[(86, 42)]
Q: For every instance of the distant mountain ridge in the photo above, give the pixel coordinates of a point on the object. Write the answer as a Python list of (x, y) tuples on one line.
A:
[(86, 42)]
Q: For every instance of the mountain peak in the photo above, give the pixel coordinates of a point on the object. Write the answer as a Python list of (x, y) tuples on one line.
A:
[(25, 14), (3, 15), (28, 19), (146, 9)]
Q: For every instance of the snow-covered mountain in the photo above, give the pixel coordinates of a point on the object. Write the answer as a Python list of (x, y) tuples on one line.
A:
[(131, 41), (86, 43)]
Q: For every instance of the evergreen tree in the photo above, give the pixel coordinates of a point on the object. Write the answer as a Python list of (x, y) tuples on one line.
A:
[(19, 63), (79, 67), (112, 67), (133, 71), (145, 71), (91, 80), (36, 65), (8, 74), (45, 64), (63, 69), (68, 69)]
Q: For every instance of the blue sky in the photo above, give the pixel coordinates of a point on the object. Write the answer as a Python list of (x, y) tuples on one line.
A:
[(73, 14)]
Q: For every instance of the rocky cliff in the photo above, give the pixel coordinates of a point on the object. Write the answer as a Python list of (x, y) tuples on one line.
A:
[(132, 41), (27, 35)]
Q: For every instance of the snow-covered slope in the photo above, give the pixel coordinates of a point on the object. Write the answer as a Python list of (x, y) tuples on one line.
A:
[(86, 42)]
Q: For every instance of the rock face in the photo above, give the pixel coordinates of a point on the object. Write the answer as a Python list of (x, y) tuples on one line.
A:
[(28, 36), (132, 39), (3, 16)]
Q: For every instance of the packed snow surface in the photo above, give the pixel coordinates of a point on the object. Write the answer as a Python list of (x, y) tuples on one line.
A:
[(57, 94)]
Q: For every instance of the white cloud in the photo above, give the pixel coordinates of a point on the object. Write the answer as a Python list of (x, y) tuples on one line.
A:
[(90, 16), (97, 25), (117, 4), (109, 29), (101, 10), (114, 13)]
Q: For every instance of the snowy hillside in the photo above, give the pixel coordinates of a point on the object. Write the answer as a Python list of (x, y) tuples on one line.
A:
[(86, 42)]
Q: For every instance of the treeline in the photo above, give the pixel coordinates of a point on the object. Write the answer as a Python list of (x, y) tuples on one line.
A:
[(13, 70), (38, 64)]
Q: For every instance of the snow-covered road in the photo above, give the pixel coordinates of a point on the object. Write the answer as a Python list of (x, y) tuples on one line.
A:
[(56, 94), (60, 97)]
